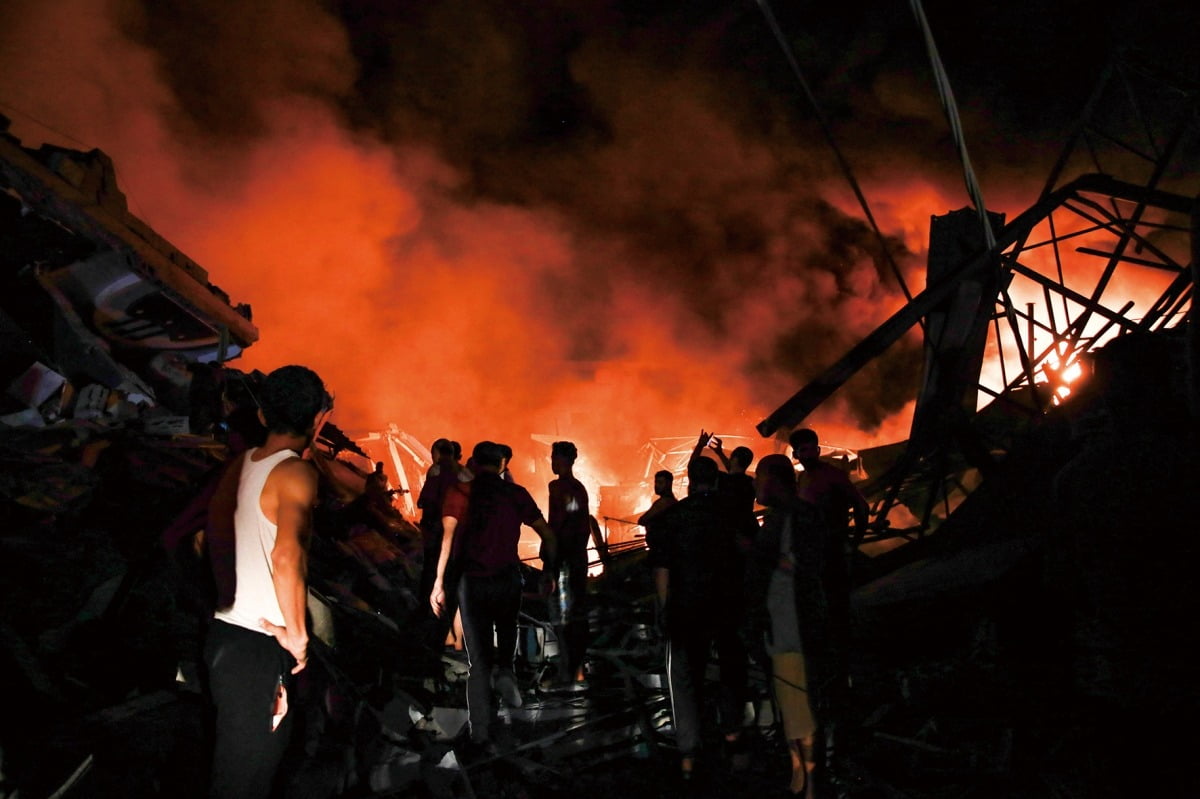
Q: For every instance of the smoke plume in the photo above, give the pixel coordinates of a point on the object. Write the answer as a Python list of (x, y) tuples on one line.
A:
[(489, 220)]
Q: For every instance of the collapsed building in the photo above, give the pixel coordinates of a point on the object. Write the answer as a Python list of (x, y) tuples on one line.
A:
[(1023, 597), (121, 407)]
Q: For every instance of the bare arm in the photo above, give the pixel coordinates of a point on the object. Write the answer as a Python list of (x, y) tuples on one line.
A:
[(701, 443), (649, 514), (718, 447), (549, 548), (296, 490), (437, 597)]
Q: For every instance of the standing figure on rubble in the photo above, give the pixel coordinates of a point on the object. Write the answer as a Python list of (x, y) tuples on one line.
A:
[(788, 599), (690, 555), (481, 524), (829, 489), (259, 526), (737, 484), (740, 645), (572, 524), (664, 497), (445, 472)]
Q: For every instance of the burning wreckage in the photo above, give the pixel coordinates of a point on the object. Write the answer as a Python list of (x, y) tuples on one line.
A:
[(120, 409), (1023, 599)]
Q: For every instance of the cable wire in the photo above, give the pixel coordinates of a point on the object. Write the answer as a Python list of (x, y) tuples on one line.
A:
[(828, 133), (946, 94)]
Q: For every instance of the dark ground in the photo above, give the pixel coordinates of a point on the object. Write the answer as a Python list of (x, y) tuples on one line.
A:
[(1038, 646)]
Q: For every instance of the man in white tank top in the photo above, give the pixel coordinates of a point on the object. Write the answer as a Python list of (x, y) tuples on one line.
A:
[(259, 640)]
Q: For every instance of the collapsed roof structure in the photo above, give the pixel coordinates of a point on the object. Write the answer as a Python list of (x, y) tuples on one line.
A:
[(959, 638), (1010, 328), (113, 282)]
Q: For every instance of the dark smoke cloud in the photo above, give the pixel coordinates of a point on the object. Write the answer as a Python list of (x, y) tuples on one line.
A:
[(226, 64), (669, 171), (582, 191)]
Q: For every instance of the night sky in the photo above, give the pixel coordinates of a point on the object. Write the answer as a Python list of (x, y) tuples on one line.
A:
[(590, 219)]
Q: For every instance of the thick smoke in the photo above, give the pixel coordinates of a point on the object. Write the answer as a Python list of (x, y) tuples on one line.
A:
[(484, 219)]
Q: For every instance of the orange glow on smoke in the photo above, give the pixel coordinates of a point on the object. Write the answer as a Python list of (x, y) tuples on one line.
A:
[(449, 315)]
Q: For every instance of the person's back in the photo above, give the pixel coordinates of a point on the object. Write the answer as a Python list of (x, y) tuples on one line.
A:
[(739, 487), (439, 478), (254, 595), (490, 527), (736, 488), (693, 558), (690, 539), (482, 526), (798, 527)]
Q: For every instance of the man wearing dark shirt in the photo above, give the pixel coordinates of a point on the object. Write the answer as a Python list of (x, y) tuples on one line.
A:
[(837, 498), (481, 524), (440, 476), (738, 486), (735, 643), (690, 554)]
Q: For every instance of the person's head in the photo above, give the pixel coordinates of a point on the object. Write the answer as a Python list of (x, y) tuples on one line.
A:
[(805, 446), (663, 481), (775, 481), (292, 400), (443, 451), (506, 454), (562, 457), (488, 456), (740, 459), (702, 474), (457, 447)]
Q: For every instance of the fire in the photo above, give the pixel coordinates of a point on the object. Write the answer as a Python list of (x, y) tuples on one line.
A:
[(685, 270)]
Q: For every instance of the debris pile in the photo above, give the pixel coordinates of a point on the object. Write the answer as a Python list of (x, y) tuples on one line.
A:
[(1036, 646)]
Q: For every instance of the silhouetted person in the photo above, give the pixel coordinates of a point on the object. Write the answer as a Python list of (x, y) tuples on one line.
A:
[(664, 497), (481, 524), (690, 555), (444, 472), (784, 579), (571, 521), (737, 487), (376, 486), (737, 491), (829, 487), (830, 490)]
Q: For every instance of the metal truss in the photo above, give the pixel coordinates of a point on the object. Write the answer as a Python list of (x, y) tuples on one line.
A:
[(1105, 251)]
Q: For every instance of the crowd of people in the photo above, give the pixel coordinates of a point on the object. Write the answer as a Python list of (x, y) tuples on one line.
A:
[(773, 592), (751, 567)]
